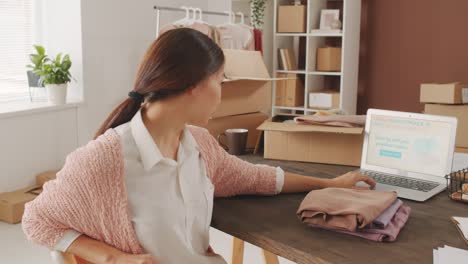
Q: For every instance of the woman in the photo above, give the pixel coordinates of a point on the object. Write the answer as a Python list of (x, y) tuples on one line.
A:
[(142, 191)]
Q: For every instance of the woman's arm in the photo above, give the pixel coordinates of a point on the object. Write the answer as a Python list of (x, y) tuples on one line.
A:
[(95, 251), (92, 250), (299, 183)]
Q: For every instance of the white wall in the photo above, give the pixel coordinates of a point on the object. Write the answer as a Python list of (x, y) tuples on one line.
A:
[(106, 48), (36, 142), (62, 33)]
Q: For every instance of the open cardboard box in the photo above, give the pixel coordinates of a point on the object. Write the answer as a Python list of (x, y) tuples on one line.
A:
[(310, 143), (12, 203), (45, 176), (251, 121), (247, 88)]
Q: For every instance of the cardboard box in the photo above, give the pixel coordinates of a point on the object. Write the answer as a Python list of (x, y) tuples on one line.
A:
[(248, 121), (461, 150), (44, 177), (458, 111), (247, 88), (289, 92), (12, 203), (326, 99), (292, 19), (449, 93), (310, 143), (329, 59)]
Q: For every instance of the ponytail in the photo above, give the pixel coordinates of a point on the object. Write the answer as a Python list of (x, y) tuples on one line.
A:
[(123, 113), (178, 60)]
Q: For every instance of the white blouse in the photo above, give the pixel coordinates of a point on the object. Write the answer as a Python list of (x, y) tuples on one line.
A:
[(171, 202)]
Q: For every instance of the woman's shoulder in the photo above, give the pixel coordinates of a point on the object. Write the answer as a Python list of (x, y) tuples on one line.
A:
[(104, 150), (204, 139), (201, 134)]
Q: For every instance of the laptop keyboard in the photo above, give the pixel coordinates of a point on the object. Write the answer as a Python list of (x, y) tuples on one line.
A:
[(400, 181)]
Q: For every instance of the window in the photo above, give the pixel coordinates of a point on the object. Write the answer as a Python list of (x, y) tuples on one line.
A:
[(16, 40)]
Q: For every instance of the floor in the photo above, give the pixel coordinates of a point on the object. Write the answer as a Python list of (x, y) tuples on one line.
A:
[(15, 249)]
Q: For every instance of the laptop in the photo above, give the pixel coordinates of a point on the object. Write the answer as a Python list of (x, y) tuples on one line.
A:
[(408, 153)]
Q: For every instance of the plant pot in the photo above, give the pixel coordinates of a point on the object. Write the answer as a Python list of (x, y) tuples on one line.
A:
[(33, 79), (57, 93)]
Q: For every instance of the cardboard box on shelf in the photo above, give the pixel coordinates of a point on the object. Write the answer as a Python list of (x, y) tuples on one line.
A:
[(217, 126), (310, 143), (449, 93), (12, 203), (458, 111), (292, 19), (247, 88), (44, 177), (461, 150), (329, 59), (325, 99), (289, 92)]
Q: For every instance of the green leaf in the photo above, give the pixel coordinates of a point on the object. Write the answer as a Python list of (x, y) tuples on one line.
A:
[(40, 50), (57, 59)]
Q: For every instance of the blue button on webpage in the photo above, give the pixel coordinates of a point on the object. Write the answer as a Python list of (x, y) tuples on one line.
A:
[(390, 154)]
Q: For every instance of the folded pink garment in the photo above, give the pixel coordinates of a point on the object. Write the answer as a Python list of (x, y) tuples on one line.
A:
[(333, 120), (386, 216), (342, 208), (388, 234)]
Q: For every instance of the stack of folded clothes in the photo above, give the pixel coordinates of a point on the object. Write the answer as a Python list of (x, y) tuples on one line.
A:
[(374, 215)]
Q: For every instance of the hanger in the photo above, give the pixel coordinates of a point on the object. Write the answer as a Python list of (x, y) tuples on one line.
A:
[(242, 17), (200, 16), (242, 22), (184, 20), (233, 16), (194, 14)]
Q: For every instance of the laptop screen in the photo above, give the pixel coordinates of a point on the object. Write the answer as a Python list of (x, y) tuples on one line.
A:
[(409, 144)]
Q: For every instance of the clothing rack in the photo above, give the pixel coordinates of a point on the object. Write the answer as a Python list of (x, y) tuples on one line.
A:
[(178, 9)]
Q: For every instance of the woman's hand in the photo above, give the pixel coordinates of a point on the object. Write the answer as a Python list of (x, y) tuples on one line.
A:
[(350, 179), (134, 259)]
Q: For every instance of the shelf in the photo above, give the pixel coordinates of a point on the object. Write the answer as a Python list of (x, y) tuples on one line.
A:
[(325, 73), (296, 72), (289, 108), (315, 34), (305, 45), (291, 34), (326, 34)]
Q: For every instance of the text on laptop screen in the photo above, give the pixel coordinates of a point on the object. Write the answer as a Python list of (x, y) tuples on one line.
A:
[(409, 144)]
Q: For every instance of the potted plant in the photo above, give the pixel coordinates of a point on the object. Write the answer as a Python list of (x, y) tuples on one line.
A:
[(258, 12), (54, 74)]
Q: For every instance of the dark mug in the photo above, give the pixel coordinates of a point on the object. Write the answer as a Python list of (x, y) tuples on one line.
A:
[(236, 140)]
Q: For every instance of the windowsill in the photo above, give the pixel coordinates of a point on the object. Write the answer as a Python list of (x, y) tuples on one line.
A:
[(12, 109)]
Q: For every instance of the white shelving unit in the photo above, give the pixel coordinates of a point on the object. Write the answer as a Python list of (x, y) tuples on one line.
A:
[(314, 80)]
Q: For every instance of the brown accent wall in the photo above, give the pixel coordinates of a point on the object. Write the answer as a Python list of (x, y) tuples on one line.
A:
[(407, 42)]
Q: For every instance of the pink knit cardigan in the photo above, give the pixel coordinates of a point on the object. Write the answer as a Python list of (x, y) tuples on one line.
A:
[(89, 194)]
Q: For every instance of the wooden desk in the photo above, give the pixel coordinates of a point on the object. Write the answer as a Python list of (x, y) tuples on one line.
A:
[(271, 223)]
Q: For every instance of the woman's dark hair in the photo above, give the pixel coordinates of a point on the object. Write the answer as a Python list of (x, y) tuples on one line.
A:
[(178, 60)]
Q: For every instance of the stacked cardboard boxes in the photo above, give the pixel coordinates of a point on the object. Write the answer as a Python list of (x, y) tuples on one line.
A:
[(12, 203), (449, 99), (246, 95)]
